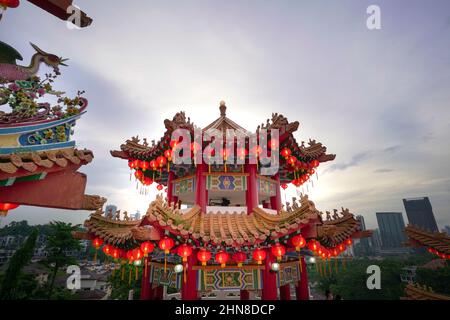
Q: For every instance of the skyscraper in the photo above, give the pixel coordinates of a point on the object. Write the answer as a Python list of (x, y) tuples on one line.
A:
[(392, 229), (420, 213), (363, 248)]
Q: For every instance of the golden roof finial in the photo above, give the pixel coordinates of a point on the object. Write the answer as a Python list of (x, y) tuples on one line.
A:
[(223, 108)]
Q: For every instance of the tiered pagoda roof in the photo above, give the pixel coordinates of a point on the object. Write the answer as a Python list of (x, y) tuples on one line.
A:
[(415, 291), (438, 241), (232, 228), (312, 150)]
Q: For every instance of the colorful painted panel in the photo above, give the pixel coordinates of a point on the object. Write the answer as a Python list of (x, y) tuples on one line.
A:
[(166, 278), (229, 279), (288, 274), (228, 182), (266, 187), (184, 186)]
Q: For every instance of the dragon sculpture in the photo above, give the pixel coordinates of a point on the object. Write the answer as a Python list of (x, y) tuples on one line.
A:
[(10, 71)]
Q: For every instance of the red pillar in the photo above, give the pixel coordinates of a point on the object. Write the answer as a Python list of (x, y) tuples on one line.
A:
[(269, 291), (159, 293), (302, 290), (201, 194), (170, 178), (285, 292), (245, 295), (252, 187), (146, 286), (275, 201), (266, 205), (189, 285)]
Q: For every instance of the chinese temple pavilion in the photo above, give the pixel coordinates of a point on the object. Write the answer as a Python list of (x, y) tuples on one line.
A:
[(223, 226)]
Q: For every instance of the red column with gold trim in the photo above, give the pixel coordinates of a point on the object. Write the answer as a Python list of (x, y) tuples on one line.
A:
[(302, 289), (252, 187), (201, 194)]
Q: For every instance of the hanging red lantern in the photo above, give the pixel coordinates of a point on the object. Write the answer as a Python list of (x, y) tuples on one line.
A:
[(168, 154), (284, 186), (166, 244), (312, 245), (153, 164), (130, 256), (259, 255), (222, 258), (147, 181), (285, 152), (6, 206), (9, 3), (298, 242), (161, 160), (136, 164), (137, 254), (97, 243), (334, 252), (341, 247), (107, 249), (278, 250), (239, 257), (147, 247), (349, 241), (311, 171), (138, 174), (203, 256), (159, 187), (116, 253), (145, 165), (131, 164), (292, 160), (315, 163), (173, 144), (184, 251)]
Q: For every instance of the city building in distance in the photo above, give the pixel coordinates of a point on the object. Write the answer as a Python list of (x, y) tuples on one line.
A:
[(392, 232), (420, 213)]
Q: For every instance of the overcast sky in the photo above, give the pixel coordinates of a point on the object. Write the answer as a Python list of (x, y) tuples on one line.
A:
[(379, 99)]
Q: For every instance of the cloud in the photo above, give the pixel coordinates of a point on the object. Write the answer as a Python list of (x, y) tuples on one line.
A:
[(383, 170)]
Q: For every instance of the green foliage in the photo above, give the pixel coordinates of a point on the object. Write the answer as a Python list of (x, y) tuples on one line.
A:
[(438, 279), (121, 286), (59, 243), (350, 283), (20, 259)]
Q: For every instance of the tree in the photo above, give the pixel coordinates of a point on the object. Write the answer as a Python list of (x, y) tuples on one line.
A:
[(21, 258), (59, 243), (438, 279)]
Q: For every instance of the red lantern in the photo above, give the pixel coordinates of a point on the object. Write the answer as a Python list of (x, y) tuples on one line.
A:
[(239, 258), (138, 174), (184, 251), (315, 163), (286, 152), (9, 3), (173, 144), (116, 253), (131, 163), (6, 206), (97, 243), (273, 144), (222, 258), (259, 255), (147, 247), (203, 256), (137, 254), (153, 164), (334, 252), (292, 160), (130, 255), (147, 181), (107, 249), (161, 160), (145, 165), (311, 171), (284, 186), (136, 163), (278, 250), (298, 242), (168, 154), (159, 187), (341, 247), (166, 244), (312, 245), (349, 241)]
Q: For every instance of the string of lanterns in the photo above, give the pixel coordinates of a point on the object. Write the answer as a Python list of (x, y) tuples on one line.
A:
[(134, 256), (440, 254)]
